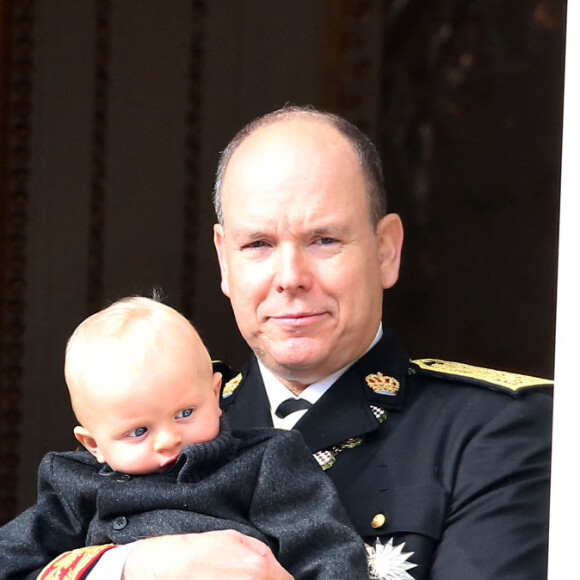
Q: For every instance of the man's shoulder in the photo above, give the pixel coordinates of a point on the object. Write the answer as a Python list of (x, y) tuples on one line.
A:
[(457, 373)]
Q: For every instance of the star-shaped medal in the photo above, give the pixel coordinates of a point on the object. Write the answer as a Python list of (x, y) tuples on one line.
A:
[(388, 562)]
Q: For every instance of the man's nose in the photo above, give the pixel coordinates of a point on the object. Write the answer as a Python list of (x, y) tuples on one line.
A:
[(293, 270), (166, 440)]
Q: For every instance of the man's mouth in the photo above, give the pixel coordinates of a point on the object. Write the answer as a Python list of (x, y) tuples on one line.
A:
[(297, 319)]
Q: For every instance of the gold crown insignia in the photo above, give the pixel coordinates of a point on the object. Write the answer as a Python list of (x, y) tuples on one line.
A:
[(383, 385)]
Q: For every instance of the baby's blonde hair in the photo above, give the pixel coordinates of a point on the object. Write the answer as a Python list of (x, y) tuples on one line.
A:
[(144, 320)]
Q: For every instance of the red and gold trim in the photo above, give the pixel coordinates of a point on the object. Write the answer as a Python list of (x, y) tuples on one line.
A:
[(73, 565), (231, 386)]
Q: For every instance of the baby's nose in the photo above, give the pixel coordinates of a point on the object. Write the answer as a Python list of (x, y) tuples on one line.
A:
[(167, 440)]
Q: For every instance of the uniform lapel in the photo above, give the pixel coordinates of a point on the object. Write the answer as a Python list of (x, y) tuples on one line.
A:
[(341, 413), (344, 411)]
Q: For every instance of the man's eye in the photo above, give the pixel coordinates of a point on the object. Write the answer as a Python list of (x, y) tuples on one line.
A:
[(138, 432), (184, 414), (326, 241), (256, 244)]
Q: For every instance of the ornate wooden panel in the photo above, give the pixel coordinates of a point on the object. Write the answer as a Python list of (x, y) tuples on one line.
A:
[(16, 29)]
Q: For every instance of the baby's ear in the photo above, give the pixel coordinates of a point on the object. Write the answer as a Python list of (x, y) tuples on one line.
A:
[(217, 383), (88, 441)]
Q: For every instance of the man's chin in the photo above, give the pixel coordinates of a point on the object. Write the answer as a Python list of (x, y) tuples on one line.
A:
[(304, 368)]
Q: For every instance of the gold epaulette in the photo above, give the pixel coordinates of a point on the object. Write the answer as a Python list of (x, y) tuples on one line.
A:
[(500, 380), (73, 565), (231, 386)]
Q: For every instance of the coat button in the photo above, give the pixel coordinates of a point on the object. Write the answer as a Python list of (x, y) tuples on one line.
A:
[(378, 521), (122, 477), (119, 523)]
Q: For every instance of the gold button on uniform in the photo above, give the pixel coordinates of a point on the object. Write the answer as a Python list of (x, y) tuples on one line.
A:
[(378, 521)]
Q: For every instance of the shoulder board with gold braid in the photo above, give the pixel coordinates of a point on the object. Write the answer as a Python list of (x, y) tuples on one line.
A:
[(511, 383)]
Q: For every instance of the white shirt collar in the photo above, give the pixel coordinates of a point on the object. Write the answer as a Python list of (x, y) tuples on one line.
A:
[(277, 392)]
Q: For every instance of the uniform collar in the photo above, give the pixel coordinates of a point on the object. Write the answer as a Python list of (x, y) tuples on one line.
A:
[(344, 410), (350, 400), (278, 392)]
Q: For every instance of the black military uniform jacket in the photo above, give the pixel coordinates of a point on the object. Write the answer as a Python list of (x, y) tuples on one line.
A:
[(433, 455), (262, 483)]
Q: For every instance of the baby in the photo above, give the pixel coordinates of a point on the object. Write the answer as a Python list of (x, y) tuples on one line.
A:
[(160, 458)]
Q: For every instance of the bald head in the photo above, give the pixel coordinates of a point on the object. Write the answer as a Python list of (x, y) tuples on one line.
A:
[(365, 151)]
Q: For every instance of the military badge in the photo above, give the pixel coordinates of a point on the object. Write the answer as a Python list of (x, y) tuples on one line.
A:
[(231, 386), (326, 458), (388, 562), (379, 413), (383, 385)]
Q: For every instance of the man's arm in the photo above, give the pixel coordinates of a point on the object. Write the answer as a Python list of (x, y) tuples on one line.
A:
[(221, 555), (497, 523), (207, 556)]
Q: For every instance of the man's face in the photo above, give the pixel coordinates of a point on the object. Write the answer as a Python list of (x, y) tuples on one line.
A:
[(298, 256)]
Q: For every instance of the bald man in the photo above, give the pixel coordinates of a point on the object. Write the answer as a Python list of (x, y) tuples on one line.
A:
[(442, 467)]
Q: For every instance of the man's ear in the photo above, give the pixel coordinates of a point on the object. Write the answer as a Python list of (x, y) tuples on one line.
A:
[(220, 247), (217, 385), (390, 241), (88, 441)]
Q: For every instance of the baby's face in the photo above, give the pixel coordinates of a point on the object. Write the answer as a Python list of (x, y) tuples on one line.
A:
[(151, 414)]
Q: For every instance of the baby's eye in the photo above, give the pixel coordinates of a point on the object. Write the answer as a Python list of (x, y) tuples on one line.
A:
[(184, 414), (138, 432)]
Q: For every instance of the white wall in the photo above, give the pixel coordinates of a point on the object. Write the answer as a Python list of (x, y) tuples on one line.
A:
[(565, 499)]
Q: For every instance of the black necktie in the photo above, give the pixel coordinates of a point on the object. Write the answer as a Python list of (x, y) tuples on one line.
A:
[(290, 405)]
